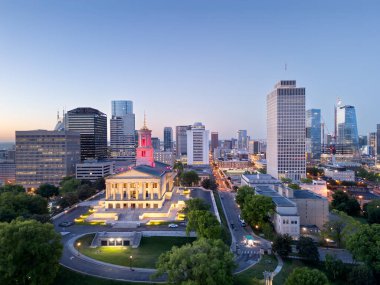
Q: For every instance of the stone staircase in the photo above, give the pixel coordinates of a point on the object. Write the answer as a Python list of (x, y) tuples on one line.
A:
[(136, 239)]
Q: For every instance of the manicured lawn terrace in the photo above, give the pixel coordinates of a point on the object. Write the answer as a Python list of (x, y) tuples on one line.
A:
[(255, 273), (145, 256)]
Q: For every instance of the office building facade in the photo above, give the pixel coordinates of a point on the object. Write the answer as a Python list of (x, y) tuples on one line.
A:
[(286, 131), (347, 136), (122, 135), (168, 139), (91, 124), (313, 133), (181, 140), (45, 157), (214, 141), (197, 145), (242, 139)]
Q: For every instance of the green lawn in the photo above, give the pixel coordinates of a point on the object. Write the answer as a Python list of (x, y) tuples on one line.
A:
[(255, 273), (69, 277), (145, 256)]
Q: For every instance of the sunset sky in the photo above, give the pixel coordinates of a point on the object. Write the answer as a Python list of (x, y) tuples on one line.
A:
[(185, 61)]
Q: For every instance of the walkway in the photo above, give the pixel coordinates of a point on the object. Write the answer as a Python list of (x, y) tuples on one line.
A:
[(83, 264)]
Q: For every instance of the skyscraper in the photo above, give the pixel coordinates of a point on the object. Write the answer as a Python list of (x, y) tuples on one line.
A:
[(45, 157), (346, 128), (156, 144), (372, 143), (313, 133), (214, 141), (197, 145), (168, 139), (92, 126), (286, 131), (242, 142), (122, 123), (181, 140)]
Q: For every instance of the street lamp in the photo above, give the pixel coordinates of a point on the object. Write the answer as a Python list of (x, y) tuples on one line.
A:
[(78, 245), (130, 263)]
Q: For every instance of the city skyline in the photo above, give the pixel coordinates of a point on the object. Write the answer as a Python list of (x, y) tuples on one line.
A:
[(170, 58)]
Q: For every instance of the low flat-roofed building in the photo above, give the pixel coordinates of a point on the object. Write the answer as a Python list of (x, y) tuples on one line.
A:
[(286, 219), (93, 170), (319, 187), (258, 179), (313, 209), (235, 164), (339, 173), (166, 157)]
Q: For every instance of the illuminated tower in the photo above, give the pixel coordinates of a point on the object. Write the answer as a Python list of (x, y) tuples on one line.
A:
[(144, 152)]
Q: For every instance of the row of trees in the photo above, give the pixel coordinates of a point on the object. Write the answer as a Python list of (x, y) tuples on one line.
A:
[(255, 209), (207, 260), (30, 249), (341, 201)]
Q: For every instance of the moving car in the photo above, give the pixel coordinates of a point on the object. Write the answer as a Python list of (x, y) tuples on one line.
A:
[(173, 226), (66, 224)]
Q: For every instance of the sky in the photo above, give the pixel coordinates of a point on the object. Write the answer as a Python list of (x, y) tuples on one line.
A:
[(186, 61)]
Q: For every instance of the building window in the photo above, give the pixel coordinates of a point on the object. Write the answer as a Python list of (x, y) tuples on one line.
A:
[(147, 194), (155, 185)]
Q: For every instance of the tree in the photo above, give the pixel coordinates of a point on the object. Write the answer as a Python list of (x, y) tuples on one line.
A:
[(334, 230), (68, 200), (361, 275), (69, 185), (178, 165), (16, 204), (365, 245), (339, 197), (205, 262), (343, 202), (209, 184), (373, 212), (47, 190), (204, 223), (335, 268), (29, 253), (294, 186), (308, 249), (242, 193), (282, 245), (195, 204), (286, 180), (100, 184), (307, 276), (12, 188), (85, 191), (257, 209), (306, 180), (189, 178)]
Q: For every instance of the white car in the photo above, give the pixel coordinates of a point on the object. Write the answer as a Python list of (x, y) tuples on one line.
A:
[(173, 226)]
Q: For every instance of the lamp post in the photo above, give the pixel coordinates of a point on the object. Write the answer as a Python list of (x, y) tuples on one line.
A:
[(130, 263), (78, 245)]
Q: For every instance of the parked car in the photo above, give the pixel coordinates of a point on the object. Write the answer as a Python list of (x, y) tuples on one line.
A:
[(66, 224), (173, 226)]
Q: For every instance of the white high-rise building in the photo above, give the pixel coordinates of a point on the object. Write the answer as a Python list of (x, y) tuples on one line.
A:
[(286, 131), (242, 139), (197, 145)]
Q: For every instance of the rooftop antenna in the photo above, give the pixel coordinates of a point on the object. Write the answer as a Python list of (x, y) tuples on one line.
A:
[(144, 127), (58, 115)]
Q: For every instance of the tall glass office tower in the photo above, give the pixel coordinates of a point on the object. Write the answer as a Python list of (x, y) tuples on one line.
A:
[(346, 128), (168, 139), (123, 141), (313, 133)]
